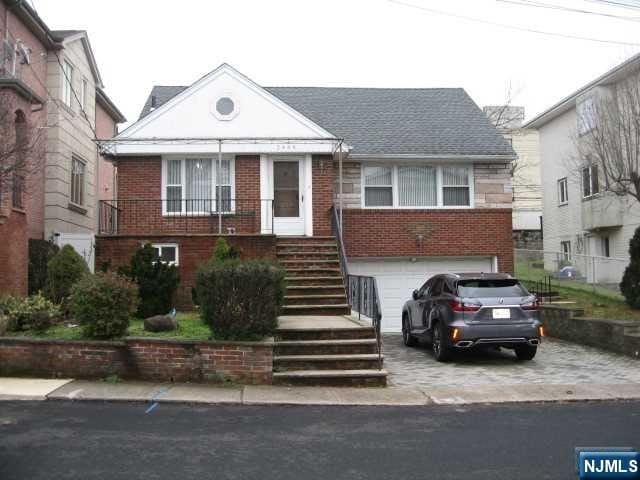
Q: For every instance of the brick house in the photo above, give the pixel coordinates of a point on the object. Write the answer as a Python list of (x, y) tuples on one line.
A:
[(419, 179), (53, 101)]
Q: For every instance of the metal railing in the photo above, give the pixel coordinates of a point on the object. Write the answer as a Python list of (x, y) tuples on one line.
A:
[(587, 272), (167, 216), (362, 291)]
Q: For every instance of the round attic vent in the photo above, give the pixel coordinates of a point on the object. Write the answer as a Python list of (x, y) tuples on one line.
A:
[(224, 107)]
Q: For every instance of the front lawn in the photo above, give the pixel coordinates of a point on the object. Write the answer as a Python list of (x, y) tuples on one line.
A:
[(597, 302), (190, 327)]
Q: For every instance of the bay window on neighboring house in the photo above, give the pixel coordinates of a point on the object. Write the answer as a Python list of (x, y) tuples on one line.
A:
[(197, 186), (417, 186), (590, 183)]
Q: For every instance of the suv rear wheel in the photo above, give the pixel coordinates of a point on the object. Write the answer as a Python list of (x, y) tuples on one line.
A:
[(526, 352), (408, 339), (441, 351)]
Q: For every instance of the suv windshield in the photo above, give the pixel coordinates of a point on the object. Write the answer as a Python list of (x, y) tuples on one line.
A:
[(491, 288)]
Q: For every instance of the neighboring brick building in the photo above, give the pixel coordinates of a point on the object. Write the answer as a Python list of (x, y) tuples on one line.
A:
[(426, 184), (38, 65)]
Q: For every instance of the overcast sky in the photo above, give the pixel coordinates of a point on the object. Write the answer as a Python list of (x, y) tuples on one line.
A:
[(359, 43)]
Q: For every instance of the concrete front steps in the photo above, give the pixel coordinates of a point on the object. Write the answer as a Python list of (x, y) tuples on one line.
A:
[(327, 351), (314, 279)]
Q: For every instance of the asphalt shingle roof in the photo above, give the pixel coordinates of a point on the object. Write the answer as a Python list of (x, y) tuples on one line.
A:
[(424, 121)]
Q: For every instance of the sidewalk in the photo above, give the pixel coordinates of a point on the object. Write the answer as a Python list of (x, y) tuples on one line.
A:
[(36, 389)]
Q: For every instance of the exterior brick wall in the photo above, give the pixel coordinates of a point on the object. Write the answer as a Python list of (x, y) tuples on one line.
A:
[(140, 208), (14, 256), (395, 233), (138, 358), (322, 180), (193, 249)]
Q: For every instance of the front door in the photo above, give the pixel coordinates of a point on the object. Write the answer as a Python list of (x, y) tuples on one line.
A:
[(288, 197)]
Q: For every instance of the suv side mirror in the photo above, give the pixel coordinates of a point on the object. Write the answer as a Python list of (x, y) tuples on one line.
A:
[(415, 294)]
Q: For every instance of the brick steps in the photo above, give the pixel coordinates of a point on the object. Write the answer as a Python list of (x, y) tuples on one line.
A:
[(355, 333), (303, 255), (326, 362), (313, 271), (322, 299), (326, 347), (300, 281), (359, 378), (337, 309), (315, 290)]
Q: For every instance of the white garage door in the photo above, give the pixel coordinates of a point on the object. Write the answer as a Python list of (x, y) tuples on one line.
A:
[(396, 279)]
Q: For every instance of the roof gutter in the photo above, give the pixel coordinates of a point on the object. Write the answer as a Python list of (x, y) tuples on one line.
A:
[(33, 22), (568, 102), (107, 104), (405, 156)]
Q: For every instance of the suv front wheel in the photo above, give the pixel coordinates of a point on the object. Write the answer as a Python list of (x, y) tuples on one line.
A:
[(441, 352), (408, 339)]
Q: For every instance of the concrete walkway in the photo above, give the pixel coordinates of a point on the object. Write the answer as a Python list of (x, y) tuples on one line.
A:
[(33, 389)]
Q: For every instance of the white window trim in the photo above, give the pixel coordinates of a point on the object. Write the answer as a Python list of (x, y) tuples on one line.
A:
[(591, 194), (83, 185), (63, 90), (168, 245), (183, 212), (564, 181), (439, 186), (83, 93)]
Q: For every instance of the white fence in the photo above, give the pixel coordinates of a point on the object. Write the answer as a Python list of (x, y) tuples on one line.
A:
[(591, 269)]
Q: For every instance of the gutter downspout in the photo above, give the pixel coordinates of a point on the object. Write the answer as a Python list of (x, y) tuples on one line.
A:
[(340, 188)]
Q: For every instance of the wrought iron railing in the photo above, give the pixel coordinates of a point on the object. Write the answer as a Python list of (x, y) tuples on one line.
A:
[(362, 291), (167, 216)]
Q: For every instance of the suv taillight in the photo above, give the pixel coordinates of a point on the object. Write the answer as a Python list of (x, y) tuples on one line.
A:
[(532, 305), (458, 306)]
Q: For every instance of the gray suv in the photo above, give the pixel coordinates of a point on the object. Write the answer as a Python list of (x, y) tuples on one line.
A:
[(460, 311)]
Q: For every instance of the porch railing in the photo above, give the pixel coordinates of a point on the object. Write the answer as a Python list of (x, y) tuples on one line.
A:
[(203, 215), (362, 291)]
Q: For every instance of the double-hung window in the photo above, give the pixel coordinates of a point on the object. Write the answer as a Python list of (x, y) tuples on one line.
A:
[(67, 81), (455, 186), (563, 191), (417, 186), (565, 247), (586, 115), (590, 184), (378, 186), (198, 186), (78, 168)]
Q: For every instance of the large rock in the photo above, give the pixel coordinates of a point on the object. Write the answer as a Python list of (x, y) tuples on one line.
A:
[(160, 323)]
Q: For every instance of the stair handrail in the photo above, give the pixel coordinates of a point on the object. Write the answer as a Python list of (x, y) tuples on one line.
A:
[(362, 291)]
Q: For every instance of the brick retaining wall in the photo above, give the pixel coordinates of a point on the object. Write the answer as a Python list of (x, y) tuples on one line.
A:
[(139, 358)]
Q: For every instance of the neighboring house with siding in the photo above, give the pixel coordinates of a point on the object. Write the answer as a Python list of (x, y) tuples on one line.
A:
[(56, 202), (527, 189), (579, 216), (426, 185)]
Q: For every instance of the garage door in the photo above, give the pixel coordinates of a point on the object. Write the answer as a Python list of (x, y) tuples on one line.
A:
[(396, 279)]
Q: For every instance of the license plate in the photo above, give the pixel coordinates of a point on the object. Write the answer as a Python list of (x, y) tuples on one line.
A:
[(501, 313)]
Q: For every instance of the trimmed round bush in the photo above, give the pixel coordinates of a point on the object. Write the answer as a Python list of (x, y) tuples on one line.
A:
[(157, 282), (63, 271), (240, 300), (103, 304), (630, 284)]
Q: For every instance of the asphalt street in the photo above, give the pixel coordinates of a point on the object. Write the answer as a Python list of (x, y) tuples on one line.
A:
[(87, 440)]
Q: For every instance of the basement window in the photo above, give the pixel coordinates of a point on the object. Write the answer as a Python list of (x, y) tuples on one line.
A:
[(166, 253)]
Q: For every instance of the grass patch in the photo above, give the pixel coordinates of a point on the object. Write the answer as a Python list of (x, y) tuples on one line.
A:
[(190, 327), (598, 302)]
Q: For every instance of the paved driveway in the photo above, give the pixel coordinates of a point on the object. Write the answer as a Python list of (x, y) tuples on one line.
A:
[(557, 362)]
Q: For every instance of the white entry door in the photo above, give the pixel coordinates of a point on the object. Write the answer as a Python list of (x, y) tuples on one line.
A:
[(288, 196)]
